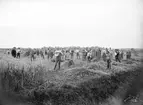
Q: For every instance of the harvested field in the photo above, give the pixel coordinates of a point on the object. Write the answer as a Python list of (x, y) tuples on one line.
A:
[(82, 84)]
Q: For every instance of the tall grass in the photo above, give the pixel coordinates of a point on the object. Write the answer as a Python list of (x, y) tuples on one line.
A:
[(21, 81), (32, 85)]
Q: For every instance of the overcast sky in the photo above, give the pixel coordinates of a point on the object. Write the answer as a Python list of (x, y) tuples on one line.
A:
[(38, 23)]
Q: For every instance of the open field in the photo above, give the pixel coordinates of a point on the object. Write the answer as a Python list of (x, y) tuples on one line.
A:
[(82, 84)]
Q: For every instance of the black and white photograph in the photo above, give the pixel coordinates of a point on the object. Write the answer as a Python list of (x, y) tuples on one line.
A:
[(71, 52)]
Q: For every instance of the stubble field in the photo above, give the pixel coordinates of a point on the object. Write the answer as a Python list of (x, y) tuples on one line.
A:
[(36, 83)]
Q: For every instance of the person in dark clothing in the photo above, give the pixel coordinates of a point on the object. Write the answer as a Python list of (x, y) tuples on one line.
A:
[(42, 54), (46, 53), (117, 56), (89, 56), (77, 54), (84, 55), (70, 62), (128, 55), (13, 52), (18, 52), (50, 54), (108, 59), (58, 55), (72, 54), (104, 56), (32, 55), (122, 54), (37, 52)]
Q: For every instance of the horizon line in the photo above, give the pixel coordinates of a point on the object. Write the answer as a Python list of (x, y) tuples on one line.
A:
[(71, 47)]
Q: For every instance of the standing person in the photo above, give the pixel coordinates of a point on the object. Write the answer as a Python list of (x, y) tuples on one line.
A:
[(13, 52), (67, 54), (51, 54), (93, 53), (122, 54), (108, 59), (72, 53), (89, 56), (58, 55), (117, 56), (98, 54), (107, 51), (84, 54), (129, 54), (37, 52), (46, 53), (112, 53), (18, 53), (77, 54), (63, 54), (42, 54), (32, 55), (104, 55)]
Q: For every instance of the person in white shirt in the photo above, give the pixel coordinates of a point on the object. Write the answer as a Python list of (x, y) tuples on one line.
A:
[(18, 51), (77, 54), (89, 55), (58, 55), (67, 55)]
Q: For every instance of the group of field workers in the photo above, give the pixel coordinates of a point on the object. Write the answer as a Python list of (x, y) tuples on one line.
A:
[(59, 55), (89, 55), (15, 52)]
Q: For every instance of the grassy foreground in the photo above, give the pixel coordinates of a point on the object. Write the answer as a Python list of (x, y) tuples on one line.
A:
[(75, 86)]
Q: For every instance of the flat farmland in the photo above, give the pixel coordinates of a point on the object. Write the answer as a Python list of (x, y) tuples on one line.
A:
[(83, 83)]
